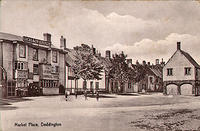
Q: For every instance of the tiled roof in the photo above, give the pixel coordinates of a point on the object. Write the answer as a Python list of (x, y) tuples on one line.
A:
[(156, 72), (189, 57)]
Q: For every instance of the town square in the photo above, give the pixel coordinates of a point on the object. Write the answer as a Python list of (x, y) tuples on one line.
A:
[(111, 112), (99, 65)]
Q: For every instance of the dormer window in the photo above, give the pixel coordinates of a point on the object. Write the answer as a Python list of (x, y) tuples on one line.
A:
[(187, 70)]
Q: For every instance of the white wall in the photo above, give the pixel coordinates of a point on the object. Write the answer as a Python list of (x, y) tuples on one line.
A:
[(178, 63)]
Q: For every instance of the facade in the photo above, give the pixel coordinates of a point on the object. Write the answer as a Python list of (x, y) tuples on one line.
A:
[(181, 74), (33, 66)]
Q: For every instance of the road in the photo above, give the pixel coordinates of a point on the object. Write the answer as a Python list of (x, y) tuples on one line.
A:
[(110, 113)]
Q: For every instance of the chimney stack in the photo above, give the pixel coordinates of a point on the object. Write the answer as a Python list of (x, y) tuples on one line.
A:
[(129, 62), (144, 63), (137, 62), (47, 37), (157, 61), (108, 54), (178, 45), (62, 42)]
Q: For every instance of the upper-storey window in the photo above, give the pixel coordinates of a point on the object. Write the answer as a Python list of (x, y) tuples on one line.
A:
[(170, 71), (54, 56), (187, 70), (22, 51), (35, 54), (19, 65)]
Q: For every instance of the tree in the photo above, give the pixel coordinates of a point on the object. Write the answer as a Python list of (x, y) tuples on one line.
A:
[(119, 70), (87, 67)]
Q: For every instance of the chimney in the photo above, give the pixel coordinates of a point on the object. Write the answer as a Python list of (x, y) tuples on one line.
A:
[(178, 45), (108, 54), (157, 61), (62, 42), (93, 50), (144, 63), (137, 63), (47, 37), (129, 62)]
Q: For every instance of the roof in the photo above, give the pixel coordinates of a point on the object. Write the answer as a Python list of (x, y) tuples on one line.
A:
[(189, 57), (11, 37), (71, 57), (156, 72)]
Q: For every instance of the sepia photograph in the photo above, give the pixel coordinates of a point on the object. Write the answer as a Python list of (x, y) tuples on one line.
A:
[(99, 65)]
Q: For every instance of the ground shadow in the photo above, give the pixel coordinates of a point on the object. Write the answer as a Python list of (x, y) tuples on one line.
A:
[(6, 107), (128, 94), (100, 96)]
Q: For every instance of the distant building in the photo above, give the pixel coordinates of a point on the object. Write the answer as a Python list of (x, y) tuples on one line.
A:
[(181, 74), (31, 64), (151, 77)]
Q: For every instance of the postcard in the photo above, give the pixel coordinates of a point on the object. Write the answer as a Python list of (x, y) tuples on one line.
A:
[(99, 65)]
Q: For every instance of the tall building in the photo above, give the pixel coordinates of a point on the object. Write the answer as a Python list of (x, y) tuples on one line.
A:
[(31, 64), (181, 74)]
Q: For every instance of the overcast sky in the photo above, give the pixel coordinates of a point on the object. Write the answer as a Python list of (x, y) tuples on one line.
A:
[(143, 30)]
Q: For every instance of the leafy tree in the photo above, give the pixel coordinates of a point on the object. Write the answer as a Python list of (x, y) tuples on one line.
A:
[(87, 67), (119, 70)]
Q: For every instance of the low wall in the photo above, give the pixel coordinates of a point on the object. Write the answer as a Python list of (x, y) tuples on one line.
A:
[(50, 91)]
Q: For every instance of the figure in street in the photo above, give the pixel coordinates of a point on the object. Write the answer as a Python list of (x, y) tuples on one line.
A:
[(97, 96), (85, 94), (76, 94), (66, 95)]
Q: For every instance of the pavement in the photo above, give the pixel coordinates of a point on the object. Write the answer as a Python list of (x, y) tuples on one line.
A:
[(111, 113)]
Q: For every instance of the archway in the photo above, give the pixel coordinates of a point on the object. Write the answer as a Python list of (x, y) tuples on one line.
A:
[(186, 89), (172, 89)]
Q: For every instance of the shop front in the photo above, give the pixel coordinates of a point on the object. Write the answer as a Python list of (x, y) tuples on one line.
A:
[(49, 79)]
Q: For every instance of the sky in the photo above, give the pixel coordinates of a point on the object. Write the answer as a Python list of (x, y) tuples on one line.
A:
[(144, 30)]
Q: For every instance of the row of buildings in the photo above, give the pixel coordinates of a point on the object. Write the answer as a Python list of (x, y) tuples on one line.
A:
[(29, 65)]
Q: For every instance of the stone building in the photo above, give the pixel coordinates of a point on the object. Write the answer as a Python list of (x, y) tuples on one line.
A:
[(31, 64), (181, 74)]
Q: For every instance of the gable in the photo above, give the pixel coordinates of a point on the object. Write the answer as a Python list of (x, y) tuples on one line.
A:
[(178, 59)]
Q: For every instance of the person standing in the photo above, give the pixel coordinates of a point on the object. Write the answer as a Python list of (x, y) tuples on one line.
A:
[(85, 94), (66, 95), (97, 96), (76, 94)]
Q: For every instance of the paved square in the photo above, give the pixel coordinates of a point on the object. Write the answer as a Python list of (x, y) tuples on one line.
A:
[(110, 113)]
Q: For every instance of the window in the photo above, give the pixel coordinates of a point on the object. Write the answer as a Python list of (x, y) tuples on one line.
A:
[(129, 85), (20, 65), (187, 71), (55, 69), (84, 84), (97, 86), (170, 71), (35, 54), (91, 85), (35, 69), (151, 79), (54, 56), (22, 51)]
